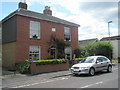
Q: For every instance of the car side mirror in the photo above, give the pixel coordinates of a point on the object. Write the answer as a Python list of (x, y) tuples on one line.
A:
[(97, 61)]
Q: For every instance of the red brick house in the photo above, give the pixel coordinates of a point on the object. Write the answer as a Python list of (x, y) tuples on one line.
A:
[(25, 34)]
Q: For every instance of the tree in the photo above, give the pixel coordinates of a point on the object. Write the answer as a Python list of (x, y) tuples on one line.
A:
[(99, 48), (79, 52), (59, 44)]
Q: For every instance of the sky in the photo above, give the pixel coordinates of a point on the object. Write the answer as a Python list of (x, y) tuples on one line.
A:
[(92, 16)]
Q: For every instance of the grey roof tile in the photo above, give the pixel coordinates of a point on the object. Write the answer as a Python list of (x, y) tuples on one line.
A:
[(32, 14)]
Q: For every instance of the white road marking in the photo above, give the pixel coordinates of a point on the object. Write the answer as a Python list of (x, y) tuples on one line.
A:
[(91, 85), (63, 78)]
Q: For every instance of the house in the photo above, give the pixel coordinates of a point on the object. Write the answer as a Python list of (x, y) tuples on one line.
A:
[(115, 40), (25, 34), (83, 43)]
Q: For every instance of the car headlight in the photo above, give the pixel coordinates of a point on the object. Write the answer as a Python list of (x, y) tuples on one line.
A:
[(71, 67)]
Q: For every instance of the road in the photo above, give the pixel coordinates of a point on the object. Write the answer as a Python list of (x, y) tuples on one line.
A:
[(100, 80)]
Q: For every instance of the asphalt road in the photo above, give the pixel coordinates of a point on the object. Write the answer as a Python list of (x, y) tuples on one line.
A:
[(100, 80)]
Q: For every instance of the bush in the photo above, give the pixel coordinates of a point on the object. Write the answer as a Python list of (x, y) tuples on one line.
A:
[(99, 48), (79, 59), (77, 52), (50, 57), (23, 67), (52, 61)]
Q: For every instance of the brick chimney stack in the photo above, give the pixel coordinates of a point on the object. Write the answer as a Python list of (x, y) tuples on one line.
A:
[(47, 10), (22, 5)]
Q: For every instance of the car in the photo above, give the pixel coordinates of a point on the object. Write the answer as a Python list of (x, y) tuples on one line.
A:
[(91, 65)]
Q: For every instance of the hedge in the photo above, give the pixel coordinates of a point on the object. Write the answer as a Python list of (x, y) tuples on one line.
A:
[(79, 59), (51, 61), (23, 67)]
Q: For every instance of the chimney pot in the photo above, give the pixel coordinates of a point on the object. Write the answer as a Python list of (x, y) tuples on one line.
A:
[(22, 5), (47, 10)]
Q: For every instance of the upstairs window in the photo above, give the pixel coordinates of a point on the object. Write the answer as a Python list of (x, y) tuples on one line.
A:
[(67, 34), (34, 53), (35, 29)]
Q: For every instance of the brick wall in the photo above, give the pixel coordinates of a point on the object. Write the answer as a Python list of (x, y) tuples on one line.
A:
[(36, 69), (23, 40), (8, 55)]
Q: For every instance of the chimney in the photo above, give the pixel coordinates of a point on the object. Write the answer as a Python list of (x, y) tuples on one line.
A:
[(47, 10), (22, 5)]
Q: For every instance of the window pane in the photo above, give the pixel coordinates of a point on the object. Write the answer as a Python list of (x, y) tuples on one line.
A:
[(68, 50), (67, 33), (34, 52), (34, 29)]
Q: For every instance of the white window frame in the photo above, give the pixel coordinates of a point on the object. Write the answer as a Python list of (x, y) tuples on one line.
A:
[(35, 29), (68, 31), (68, 50), (34, 50), (53, 29)]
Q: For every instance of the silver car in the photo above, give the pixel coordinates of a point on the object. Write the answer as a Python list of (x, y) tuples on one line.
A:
[(92, 64)]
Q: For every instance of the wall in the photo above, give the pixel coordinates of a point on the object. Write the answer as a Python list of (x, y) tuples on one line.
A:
[(115, 50), (36, 69), (9, 30), (23, 40), (8, 55), (118, 49), (83, 43)]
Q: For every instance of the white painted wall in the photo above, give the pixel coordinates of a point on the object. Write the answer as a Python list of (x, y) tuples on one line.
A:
[(115, 50), (119, 48)]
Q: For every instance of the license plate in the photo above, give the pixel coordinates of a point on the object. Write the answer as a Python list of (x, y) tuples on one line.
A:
[(75, 70)]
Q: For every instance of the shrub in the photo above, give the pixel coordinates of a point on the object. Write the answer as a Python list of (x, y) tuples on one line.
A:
[(77, 52), (79, 59), (23, 67), (50, 57), (99, 48), (52, 61)]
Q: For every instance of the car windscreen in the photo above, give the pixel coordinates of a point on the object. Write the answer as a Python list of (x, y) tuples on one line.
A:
[(88, 60)]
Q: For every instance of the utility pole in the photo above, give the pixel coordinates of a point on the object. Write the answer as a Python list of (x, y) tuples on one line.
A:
[(109, 37), (109, 29)]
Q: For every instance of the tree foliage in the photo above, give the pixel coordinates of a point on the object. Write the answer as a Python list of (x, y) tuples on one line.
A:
[(99, 48), (59, 44)]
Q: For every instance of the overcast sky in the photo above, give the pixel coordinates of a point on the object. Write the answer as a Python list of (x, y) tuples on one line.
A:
[(92, 16)]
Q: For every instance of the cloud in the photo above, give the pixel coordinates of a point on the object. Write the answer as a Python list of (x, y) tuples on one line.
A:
[(91, 15)]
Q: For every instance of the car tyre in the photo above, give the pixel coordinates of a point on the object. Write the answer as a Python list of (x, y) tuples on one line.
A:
[(92, 72), (109, 69)]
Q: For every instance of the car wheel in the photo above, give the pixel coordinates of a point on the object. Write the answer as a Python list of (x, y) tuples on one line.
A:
[(109, 69), (92, 71)]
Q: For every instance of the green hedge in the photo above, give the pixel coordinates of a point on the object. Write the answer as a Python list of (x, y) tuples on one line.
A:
[(51, 61), (79, 59)]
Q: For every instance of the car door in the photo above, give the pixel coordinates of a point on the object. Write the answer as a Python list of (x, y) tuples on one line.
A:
[(99, 64), (105, 63)]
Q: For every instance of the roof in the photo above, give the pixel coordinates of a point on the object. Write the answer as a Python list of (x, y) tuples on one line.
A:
[(111, 38), (28, 13), (94, 39)]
